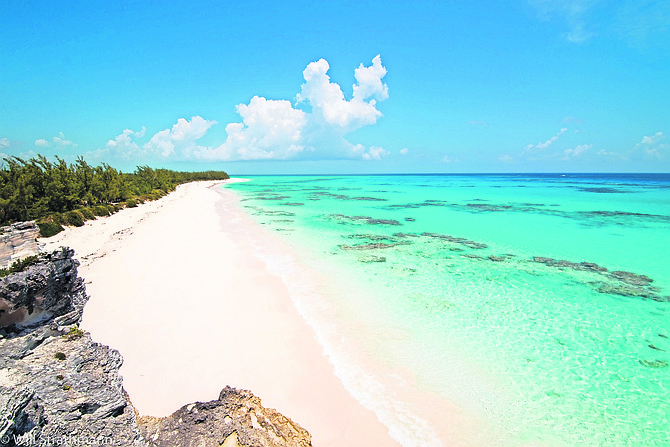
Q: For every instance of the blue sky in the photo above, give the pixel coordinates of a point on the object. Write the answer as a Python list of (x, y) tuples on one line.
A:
[(340, 87)]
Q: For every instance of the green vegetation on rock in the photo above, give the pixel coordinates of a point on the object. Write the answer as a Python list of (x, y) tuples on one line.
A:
[(18, 266)]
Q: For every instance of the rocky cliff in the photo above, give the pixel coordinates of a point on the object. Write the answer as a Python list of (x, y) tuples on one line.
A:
[(237, 418), (58, 387), (56, 384), (17, 241)]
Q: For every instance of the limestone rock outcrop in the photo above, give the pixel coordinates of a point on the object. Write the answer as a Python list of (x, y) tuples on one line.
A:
[(59, 387), (17, 241), (48, 289), (237, 418)]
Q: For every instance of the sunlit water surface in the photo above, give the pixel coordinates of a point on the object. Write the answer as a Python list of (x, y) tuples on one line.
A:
[(539, 301)]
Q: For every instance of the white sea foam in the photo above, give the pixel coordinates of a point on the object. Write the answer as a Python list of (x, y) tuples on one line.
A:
[(368, 387)]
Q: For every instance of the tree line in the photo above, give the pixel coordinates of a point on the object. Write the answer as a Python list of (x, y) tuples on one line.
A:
[(58, 193)]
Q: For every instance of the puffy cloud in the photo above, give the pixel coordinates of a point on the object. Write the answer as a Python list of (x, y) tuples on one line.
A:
[(58, 142), (370, 81), (123, 145), (61, 142), (180, 138), (575, 152), (652, 146), (278, 130), (404, 151), (374, 153), (328, 101), (651, 140), (4, 143), (269, 130)]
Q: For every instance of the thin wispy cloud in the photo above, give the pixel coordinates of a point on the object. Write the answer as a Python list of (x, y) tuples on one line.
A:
[(574, 13), (549, 149), (313, 127), (635, 21), (640, 20), (543, 146)]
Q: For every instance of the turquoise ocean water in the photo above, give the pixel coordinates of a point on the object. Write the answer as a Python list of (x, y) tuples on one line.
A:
[(540, 304)]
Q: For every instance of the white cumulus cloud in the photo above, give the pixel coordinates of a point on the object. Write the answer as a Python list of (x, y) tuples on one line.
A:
[(653, 146), (124, 145), (58, 142), (61, 142), (180, 139), (270, 129), (575, 152), (313, 128), (278, 130), (374, 153), (328, 101)]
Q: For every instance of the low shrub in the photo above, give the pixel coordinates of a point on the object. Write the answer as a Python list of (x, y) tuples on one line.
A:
[(101, 210), (87, 213), (131, 203), (75, 218), (74, 333), (59, 356), (56, 218), (48, 229)]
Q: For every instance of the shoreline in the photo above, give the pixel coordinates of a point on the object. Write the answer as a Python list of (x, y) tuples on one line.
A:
[(204, 307)]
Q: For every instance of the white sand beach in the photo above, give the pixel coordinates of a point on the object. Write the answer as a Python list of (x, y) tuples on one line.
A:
[(175, 286)]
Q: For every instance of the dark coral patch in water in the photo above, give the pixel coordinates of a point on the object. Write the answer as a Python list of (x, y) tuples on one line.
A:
[(655, 363), (365, 219), (457, 240), (317, 195)]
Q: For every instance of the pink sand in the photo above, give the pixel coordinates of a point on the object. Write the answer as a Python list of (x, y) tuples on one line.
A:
[(175, 286)]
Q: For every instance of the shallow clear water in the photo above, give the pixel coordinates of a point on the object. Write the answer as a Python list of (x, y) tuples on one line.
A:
[(539, 301)]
